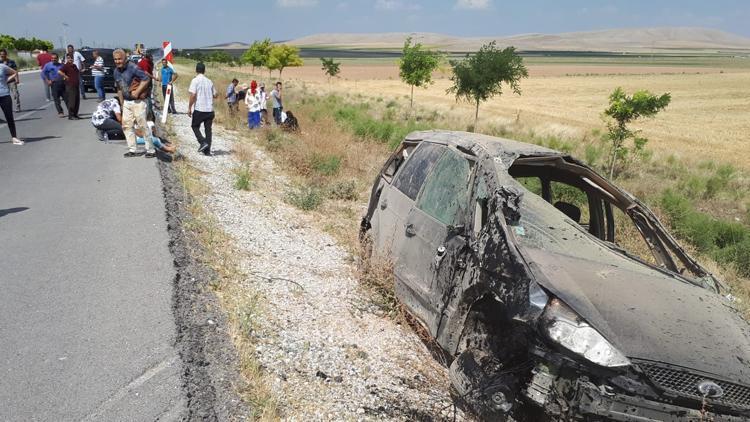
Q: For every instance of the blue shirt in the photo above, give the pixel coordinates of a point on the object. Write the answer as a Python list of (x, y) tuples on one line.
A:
[(124, 78), (166, 75), (4, 73), (49, 71)]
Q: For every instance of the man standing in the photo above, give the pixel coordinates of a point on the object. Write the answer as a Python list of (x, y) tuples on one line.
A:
[(72, 77), (54, 82), (78, 60), (277, 104), (231, 97), (132, 83), (202, 95), (98, 72), (167, 77), (13, 86), (42, 59)]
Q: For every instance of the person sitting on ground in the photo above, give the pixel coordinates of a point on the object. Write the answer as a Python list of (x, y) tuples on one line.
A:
[(107, 117), (289, 123), (142, 133)]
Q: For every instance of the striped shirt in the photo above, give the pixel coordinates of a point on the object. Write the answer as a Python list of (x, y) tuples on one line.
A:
[(98, 69)]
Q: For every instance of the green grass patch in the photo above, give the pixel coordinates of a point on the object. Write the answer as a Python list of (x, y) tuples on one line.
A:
[(306, 198), (726, 242), (327, 165), (243, 178)]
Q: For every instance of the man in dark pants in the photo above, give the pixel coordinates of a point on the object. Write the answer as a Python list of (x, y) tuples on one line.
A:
[(72, 77), (201, 107), (54, 82)]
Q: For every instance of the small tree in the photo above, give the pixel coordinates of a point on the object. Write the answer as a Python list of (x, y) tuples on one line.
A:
[(416, 65), (283, 56), (479, 77), (623, 110), (330, 67), (258, 53), (7, 42)]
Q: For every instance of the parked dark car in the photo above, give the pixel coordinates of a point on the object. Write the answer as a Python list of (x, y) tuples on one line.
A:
[(514, 258), (109, 68)]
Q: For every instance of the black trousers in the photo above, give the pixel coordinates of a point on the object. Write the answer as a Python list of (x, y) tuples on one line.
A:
[(58, 93), (207, 118), (72, 100), (6, 103)]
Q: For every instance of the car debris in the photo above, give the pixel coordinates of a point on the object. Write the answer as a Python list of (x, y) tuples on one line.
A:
[(512, 257)]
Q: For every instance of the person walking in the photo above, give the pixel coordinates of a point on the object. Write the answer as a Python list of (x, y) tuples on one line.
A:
[(78, 60), (202, 95), (167, 76), (42, 59), (54, 81), (232, 102), (277, 103), (108, 116), (13, 86), (132, 83), (7, 74), (72, 77), (252, 101), (98, 72)]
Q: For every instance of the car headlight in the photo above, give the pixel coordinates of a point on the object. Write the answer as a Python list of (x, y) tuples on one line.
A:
[(569, 330)]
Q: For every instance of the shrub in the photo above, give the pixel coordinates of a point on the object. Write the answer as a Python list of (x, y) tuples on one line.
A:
[(305, 198), (344, 189), (327, 165), (242, 178)]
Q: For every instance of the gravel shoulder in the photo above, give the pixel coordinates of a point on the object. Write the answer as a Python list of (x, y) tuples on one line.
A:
[(325, 348)]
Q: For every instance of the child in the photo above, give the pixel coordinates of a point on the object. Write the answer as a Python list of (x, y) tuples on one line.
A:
[(142, 133)]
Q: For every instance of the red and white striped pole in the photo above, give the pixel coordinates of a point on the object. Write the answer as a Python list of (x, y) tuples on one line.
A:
[(167, 46)]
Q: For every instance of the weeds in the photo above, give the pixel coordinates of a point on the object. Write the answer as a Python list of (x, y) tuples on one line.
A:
[(327, 165), (306, 198), (344, 189), (242, 178)]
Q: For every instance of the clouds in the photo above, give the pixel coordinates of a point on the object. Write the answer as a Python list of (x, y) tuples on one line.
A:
[(296, 3), (472, 4), (396, 5)]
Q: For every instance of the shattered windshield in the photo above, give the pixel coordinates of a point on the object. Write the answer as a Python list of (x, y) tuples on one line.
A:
[(543, 227)]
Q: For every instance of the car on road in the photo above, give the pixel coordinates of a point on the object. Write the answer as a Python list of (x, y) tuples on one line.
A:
[(555, 294), (109, 68)]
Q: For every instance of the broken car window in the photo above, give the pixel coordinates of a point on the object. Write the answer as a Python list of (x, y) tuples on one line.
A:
[(447, 188), (413, 173)]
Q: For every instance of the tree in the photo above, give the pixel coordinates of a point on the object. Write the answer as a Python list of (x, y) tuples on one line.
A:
[(283, 56), (7, 42), (479, 77), (330, 67), (258, 53), (23, 44), (416, 65), (220, 57), (624, 109)]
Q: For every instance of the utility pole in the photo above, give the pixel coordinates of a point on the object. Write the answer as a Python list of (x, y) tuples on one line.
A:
[(65, 35)]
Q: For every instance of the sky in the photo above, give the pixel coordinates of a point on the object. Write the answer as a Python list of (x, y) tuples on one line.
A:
[(193, 23)]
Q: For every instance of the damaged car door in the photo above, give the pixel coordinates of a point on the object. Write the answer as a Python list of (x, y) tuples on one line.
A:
[(436, 216), (398, 198)]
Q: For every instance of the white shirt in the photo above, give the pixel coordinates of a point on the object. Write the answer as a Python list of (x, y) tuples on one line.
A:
[(263, 99), (204, 92), (78, 60), (252, 101)]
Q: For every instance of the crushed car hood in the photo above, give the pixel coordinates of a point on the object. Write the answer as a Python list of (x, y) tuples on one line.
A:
[(647, 314)]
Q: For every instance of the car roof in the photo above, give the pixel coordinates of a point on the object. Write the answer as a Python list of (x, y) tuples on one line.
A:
[(505, 149)]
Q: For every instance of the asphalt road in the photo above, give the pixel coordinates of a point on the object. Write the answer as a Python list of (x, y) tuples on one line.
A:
[(86, 277)]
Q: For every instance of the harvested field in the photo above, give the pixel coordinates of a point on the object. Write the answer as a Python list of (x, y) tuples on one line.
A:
[(707, 118)]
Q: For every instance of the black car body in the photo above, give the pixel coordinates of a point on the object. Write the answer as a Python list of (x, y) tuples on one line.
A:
[(109, 68), (543, 313)]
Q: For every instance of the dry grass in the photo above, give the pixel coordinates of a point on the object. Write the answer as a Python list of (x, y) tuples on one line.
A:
[(243, 308)]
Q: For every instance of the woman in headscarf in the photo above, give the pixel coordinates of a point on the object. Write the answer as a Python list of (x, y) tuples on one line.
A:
[(252, 101)]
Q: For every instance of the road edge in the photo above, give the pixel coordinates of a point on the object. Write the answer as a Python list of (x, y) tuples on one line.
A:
[(210, 372)]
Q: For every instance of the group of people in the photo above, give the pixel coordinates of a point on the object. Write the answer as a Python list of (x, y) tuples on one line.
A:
[(256, 99)]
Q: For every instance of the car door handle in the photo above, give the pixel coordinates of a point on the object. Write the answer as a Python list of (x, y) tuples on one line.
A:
[(410, 230), (383, 204)]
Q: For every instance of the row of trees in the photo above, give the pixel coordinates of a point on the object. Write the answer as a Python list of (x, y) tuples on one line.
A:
[(271, 56), (9, 42), (480, 76)]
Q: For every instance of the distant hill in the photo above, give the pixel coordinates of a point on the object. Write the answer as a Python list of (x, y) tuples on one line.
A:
[(235, 45), (631, 39)]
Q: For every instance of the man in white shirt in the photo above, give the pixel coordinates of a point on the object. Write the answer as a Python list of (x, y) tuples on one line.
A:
[(78, 60), (201, 107)]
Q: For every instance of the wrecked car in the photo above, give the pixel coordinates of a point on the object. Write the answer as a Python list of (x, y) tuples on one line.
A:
[(555, 294)]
